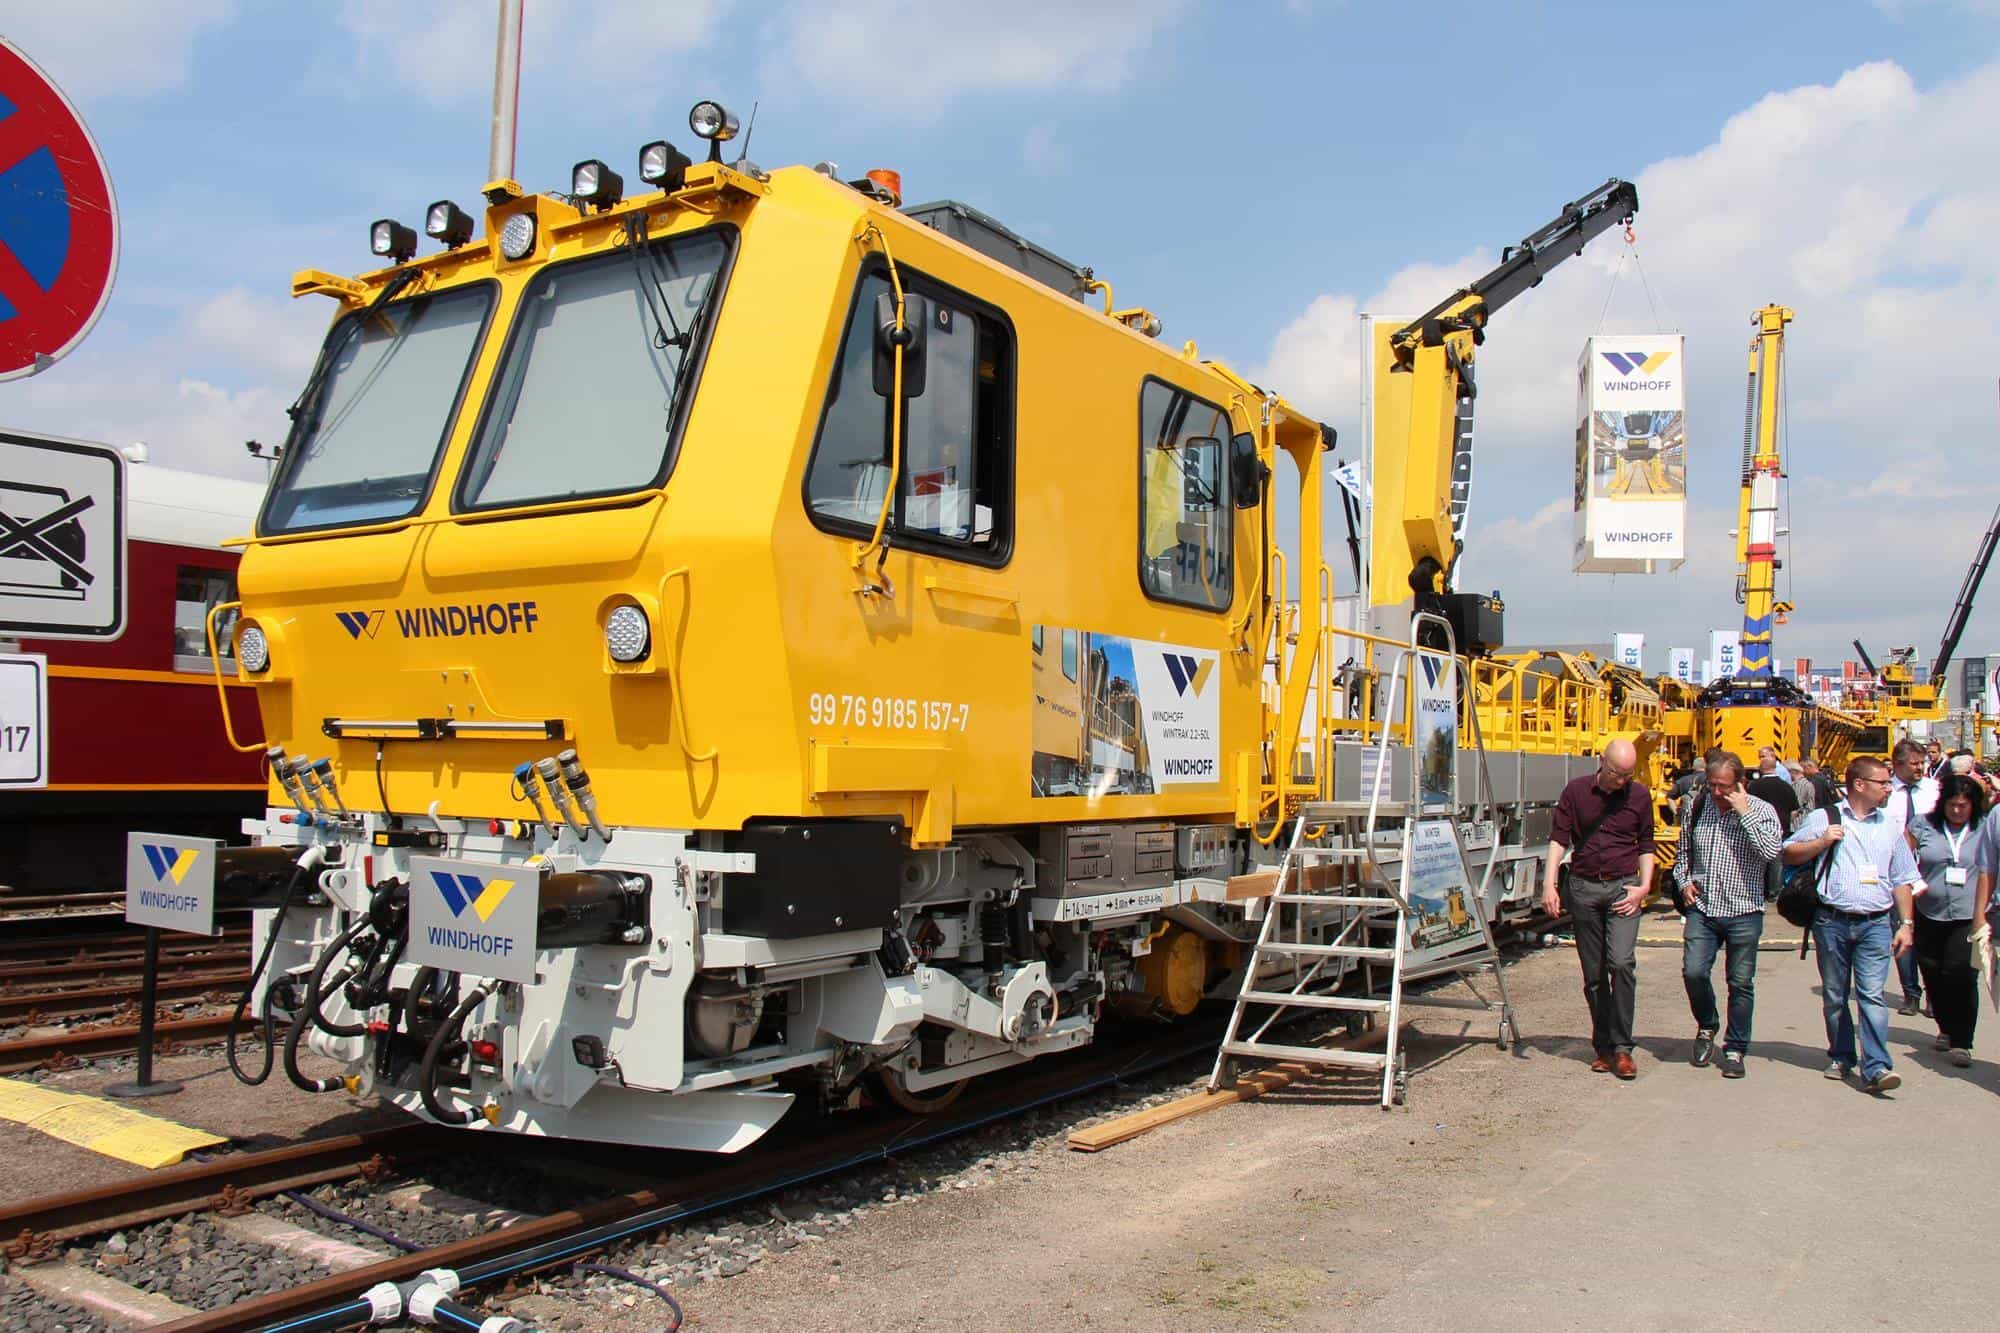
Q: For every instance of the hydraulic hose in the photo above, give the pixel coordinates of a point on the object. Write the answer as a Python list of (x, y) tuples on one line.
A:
[(447, 1034), (312, 859), (316, 982)]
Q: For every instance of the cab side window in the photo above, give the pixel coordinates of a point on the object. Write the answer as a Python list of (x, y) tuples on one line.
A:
[(1185, 519), (954, 492)]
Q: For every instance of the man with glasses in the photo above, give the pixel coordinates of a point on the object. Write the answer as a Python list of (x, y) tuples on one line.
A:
[(1912, 794), (1604, 821), (1870, 874), (1728, 838)]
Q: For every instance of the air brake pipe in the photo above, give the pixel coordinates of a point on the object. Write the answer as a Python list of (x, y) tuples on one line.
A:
[(281, 769), (531, 787), (302, 769), (578, 782), (552, 779), (427, 1070), (324, 769)]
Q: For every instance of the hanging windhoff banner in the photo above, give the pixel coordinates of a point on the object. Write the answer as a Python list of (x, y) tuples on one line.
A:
[(1631, 456)]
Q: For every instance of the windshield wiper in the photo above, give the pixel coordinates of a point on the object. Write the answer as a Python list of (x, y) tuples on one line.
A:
[(304, 411), (652, 290)]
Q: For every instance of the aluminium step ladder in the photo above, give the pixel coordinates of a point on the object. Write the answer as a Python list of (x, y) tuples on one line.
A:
[(1341, 885)]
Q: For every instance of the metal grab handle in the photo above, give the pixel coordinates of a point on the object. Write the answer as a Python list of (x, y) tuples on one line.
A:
[(221, 691), (677, 692)]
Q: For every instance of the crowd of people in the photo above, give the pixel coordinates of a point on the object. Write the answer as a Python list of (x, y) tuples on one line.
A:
[(1900, 860)]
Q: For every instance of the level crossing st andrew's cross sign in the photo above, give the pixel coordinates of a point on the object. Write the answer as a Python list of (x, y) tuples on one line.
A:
[(58, 221)]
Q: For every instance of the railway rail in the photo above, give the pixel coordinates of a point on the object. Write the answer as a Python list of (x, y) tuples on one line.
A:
[(669, 1188)]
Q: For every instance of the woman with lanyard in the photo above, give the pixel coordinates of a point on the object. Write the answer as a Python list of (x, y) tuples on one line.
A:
[(1949, 846)]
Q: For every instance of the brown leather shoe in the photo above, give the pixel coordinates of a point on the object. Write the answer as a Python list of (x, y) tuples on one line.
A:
[(1601, 1065), (1621, 1065)]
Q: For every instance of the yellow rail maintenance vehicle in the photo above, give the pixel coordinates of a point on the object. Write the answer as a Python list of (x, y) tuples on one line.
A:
[(756, 637)]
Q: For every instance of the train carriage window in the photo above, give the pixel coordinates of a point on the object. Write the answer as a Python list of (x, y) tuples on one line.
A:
[(196, 591), (954, 493), (1186, 525), (597, 374)]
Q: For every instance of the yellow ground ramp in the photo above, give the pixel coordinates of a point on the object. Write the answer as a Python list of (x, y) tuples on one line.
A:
[(101, 1126)]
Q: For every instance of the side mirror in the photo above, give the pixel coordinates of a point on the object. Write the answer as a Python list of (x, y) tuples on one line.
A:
[(1247, 472), (916, 323)]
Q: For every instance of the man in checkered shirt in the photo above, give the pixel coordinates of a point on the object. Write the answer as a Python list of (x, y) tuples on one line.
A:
[(1728, 838)]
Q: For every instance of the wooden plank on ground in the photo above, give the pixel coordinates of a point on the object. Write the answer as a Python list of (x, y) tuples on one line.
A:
[(1268, 1078)]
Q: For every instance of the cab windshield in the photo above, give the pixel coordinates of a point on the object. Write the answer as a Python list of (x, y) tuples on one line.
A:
[(597, 373), (374, 418)]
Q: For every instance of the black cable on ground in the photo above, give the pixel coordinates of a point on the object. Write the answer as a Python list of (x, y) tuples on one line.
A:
[(243, 1003), (312, 1205)]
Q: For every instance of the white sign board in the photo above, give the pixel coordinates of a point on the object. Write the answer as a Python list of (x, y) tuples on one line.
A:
[(1631, 456), (62, 538), (1434, 693), (1725, 650), (1681, 662), (1630, 650), (24, 721), (170, 882), (475, 917)]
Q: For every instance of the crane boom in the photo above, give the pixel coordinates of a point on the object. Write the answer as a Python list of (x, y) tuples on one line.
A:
[(1961, 611), (1757, 516), (1421, 469)]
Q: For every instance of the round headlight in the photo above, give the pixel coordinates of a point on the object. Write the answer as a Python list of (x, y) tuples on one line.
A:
[(253, 650), (627, 636), (710, 120), (517, 236)]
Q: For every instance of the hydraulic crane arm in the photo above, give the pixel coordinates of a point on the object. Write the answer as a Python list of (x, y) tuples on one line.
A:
[(1423, 457), (1961, 611)]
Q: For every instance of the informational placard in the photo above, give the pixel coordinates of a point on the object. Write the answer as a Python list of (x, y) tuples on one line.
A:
[(1680, 662), (1115, 716), (170, 882), (1441, 906), (1434, 692), (474, 917), (62, 537), (1629, 650), (1630, 483), (24, 720)]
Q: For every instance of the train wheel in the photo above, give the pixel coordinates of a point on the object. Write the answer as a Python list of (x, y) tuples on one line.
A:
[(929, 1102)]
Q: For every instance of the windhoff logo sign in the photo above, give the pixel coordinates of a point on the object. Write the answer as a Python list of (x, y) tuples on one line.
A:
[(170, 882), (442, 622), (1637, 370), (1189, 674), (475, 917)]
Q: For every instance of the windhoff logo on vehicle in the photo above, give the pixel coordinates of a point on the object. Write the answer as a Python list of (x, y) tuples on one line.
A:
[(442, 622)]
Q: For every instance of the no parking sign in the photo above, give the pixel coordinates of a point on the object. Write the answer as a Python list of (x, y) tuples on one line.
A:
[(58, 221)]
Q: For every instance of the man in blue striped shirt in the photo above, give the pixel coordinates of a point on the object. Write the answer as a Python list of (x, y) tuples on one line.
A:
[(1728, 839), (1871, 873)]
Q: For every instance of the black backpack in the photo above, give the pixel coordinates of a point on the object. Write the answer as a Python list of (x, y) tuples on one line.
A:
[(1798, 900)]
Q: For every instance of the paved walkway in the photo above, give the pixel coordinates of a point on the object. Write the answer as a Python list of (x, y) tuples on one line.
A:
[(1779, 1201)]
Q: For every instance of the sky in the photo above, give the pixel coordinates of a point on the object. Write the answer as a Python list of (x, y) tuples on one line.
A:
[(1257, 174)]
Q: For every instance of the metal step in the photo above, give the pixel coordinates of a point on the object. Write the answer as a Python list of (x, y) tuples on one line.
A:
[(1358, 1003), (1326, 950), (1333, 900), (1313, 1055), (1319, 812)]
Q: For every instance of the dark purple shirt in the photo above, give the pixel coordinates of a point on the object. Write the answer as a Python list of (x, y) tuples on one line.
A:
[(1613, 850)]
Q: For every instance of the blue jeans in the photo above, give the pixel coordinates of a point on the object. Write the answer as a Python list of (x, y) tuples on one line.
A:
[(1703, 935), (1854, 959), (1909, 974)]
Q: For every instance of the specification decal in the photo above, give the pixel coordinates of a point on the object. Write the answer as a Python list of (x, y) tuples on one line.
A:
[(892, 712)]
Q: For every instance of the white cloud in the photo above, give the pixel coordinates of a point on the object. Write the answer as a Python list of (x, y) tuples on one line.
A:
[(253, 333), (915, 56), (444, 49), (119, 48), (1849, 202)]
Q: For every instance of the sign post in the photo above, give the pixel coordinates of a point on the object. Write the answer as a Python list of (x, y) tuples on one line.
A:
[(169, 884), (58, 221)]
